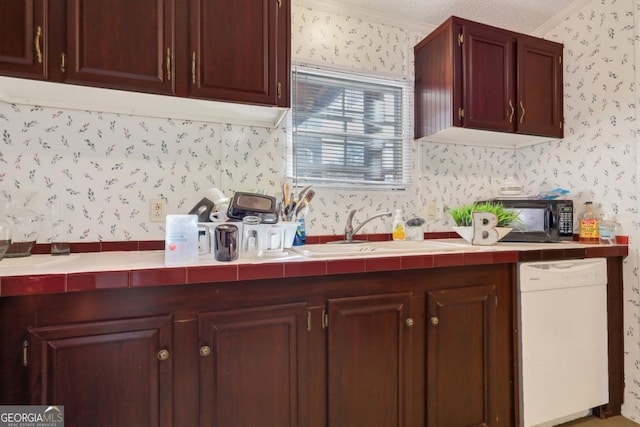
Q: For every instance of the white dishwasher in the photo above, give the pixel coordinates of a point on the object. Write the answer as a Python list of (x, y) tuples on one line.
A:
[(563, 340)]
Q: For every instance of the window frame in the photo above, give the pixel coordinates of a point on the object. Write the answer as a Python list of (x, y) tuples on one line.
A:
[(404, 133)]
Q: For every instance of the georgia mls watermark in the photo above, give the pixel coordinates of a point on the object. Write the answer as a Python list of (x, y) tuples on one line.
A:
[(31, 416)]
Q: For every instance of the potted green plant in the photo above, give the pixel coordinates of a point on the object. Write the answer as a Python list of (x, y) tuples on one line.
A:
[(463, 217)]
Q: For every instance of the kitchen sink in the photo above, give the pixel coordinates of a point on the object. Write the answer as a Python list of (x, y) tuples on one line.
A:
[(385, 248)]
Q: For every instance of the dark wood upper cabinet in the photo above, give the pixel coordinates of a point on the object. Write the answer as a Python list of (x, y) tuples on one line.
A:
[(23, 38), (236, 51), (474, 76), (540, 86), (489, 77), (239, 50), (121, 44)]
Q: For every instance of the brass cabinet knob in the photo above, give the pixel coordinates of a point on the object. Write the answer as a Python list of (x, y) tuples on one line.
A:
[(205, 350), (163, 354), (435, 320), (409, 321)]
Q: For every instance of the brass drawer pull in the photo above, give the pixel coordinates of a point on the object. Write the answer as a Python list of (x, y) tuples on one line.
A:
[(168, 64), (513, 110), (193, 68), (36, 42)]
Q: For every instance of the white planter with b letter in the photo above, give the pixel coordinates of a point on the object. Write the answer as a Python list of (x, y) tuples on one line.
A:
[(484, 230)]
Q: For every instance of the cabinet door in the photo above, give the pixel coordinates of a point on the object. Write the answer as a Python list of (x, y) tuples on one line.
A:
[(540, 103), (369, 353), (251, 366), (489, 78), (23, 38), (113, 373), (235, 48), (461, 331), (121, 44)]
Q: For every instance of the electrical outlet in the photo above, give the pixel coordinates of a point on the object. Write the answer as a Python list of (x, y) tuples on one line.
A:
[(157, 210)]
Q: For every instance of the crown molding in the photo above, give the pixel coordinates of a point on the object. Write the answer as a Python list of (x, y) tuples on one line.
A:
[(331, 6), (558, 18)]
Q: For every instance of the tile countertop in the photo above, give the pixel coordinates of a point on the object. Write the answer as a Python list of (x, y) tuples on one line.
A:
[(128, 269)]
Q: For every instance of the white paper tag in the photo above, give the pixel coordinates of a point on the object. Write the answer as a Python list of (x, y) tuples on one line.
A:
[(181, 240)]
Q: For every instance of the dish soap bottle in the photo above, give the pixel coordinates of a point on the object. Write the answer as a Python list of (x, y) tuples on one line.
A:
[(589, 225), (398, 226)]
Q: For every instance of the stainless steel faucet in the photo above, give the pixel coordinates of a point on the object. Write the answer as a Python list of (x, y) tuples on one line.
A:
[(349, 231)]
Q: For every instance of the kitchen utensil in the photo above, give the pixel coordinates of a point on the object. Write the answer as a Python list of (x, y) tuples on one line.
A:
[(303, 193), (203, 209), (226, 242), (301, 211), (285, 194), (216, 196), (252, 204), (251, 246), (302, 208), (205, 237), (309, 196), (219, 213)]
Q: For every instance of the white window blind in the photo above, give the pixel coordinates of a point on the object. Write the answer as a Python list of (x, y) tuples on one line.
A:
[(349, 130)]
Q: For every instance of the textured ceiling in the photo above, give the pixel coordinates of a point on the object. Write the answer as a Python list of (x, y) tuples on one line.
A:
[(525, 16)]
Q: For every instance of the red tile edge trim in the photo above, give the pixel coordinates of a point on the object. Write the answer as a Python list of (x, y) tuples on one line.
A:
[(88, 281), (30, 285), (97, 280)]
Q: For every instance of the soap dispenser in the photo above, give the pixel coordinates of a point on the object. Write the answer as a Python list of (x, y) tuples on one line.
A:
[(398, 226)]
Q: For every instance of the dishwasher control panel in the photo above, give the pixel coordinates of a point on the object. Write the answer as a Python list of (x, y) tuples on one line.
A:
[(552, 274)]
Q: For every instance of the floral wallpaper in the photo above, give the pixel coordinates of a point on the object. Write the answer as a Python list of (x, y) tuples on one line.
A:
[(106, 167), (598, 158)]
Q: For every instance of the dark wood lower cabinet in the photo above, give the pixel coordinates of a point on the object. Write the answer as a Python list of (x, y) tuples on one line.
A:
[(431, 347), (111, 373), (461, 335), (369, 350), (251, 366)]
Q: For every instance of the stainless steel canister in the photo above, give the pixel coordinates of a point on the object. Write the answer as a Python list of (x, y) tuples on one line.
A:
[(226, 242)]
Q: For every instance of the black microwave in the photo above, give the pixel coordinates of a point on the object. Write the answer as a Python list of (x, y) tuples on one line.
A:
[(539, 220)]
